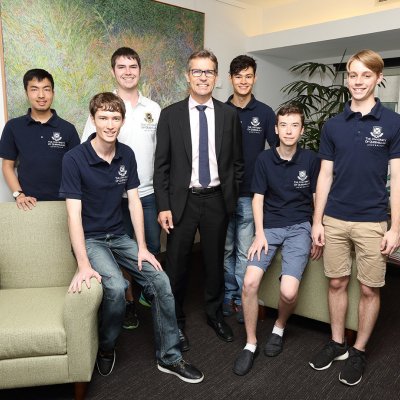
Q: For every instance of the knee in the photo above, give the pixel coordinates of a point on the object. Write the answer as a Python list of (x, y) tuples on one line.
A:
[(288, 296), (114, 288), (368, 292), (338, 284), (250, 286), (160, 285)]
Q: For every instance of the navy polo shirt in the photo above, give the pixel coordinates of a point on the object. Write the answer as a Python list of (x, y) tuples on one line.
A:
[(287, 186), (99, 185), (360, 148), (40, 149), (258, 125)]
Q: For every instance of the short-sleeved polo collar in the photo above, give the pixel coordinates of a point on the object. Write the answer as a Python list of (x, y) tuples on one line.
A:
[(251, 105), (278, 160), (53, 121), (375, 112), (92, 156)]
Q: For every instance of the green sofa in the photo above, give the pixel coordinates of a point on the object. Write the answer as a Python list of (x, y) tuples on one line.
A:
[(47, 336), (313, 292)]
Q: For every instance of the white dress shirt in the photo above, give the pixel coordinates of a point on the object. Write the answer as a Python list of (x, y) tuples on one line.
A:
[(195, 133)]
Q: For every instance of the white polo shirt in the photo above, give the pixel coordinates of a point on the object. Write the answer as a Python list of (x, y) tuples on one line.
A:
[(139, 133)]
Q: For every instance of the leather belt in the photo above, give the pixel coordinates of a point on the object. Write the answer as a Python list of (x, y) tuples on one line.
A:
[(200, 190)]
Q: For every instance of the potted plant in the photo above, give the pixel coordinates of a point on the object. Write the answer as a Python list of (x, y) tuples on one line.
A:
[(319, 95)]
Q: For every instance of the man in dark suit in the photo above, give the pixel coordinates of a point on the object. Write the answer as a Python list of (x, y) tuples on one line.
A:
[(197, 171)]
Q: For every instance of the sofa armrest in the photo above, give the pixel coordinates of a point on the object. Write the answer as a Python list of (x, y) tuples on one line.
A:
[(80, 322)]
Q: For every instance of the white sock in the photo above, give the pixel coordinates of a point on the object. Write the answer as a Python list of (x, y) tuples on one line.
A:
[(278, 331), (250, 347)]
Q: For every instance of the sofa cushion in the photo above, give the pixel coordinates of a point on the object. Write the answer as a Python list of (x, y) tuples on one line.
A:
[(31, 322)]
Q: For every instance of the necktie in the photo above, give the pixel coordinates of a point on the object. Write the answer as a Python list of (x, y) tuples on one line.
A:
[(204, 166)]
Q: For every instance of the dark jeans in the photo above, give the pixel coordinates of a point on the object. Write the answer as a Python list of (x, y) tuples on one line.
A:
[(106, 255)]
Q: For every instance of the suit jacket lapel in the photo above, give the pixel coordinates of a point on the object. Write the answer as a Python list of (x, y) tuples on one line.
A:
[(185, 129), (219, 126)]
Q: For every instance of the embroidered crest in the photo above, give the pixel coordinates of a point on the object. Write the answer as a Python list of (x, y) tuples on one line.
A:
[(255, 121), (302, 175), (148, 118), (56, 136), (122, 170), (376, 132)]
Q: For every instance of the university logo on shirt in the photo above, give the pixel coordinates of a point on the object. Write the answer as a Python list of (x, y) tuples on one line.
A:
[(122, 170), (255, 126), (302, 175), (56, 136), (376, 139), (376, 132), (148, 118), (56, 141), (122, 177), (302, 181)]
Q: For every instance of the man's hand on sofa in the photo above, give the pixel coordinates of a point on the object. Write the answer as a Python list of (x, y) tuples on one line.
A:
[(316, 252), (83, 275)]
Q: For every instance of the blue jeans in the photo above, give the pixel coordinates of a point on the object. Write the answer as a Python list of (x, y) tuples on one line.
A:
[(238, 240), (106, 255), (152, 228)]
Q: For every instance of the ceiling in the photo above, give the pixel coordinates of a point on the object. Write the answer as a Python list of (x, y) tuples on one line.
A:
[(384, 41)]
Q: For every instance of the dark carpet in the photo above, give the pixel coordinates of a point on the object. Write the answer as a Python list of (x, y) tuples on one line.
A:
[(287, 376)]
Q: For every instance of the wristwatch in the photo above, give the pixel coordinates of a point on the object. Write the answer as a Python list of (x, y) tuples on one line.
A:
[(16, 194)]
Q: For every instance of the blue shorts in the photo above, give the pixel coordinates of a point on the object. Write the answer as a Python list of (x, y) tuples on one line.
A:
[(296, 245)]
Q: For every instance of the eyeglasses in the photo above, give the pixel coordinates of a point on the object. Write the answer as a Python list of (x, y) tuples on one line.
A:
[(199, 72)]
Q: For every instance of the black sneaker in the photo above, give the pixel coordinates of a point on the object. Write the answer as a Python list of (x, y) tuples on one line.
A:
[(183, 370), (105, 362), (244, 362), (353, 369), (332, 351), (131, 320), (273, 346)]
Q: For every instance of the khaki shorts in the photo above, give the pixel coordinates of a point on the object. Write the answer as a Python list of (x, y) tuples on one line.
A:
[(342, 237)]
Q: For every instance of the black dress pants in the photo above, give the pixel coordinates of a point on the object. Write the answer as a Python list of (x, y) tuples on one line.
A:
[(207, 213)]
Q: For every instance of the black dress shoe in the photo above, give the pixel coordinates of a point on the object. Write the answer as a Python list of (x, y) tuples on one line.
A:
[(244, 362), (184, 341), (222, 329)]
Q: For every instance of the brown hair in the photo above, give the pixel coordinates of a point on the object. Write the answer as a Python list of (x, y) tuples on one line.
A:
[(203, 54), (125, 52), (291, 108), (369, 58), (107, 101)]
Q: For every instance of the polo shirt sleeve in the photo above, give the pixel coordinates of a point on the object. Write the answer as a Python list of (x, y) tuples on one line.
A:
[(133, 178), (8, 148), (394, 146), (269, 132), (326, 146), (314, 172), (259, 183), (74, 140), (71, 186)]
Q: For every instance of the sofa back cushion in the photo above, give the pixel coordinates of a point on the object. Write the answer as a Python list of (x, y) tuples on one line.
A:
[(35, 249)]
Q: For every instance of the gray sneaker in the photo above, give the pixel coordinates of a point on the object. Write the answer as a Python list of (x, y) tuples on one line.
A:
[(353, 369), (332, 351), (274, 345)]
